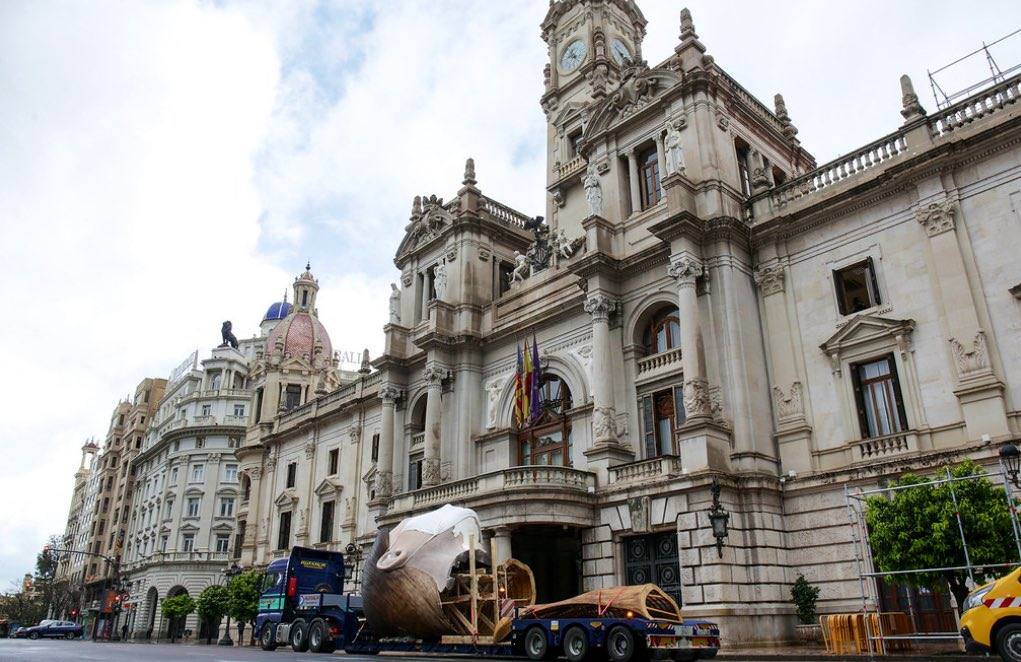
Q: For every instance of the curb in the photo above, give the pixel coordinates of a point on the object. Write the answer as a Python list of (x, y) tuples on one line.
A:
[(827, 657)]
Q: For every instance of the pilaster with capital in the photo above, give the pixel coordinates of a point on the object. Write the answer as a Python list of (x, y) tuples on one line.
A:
[(389, 395), (434, 376), (604, 414), (685, 270)]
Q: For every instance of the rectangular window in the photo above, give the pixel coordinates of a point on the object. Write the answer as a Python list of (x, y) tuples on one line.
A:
[(258, 404), (197, 473), (878, 395), (857, 288), (193, 507), (575, 141), (375, 447), (163, 543), (415, 472), (292, 396), (661, 413), (226, 506), (743, 171), (188, 542), (168, 509), (505, 274), (230, 473), (207, 410), (173, 474), (648, 178), (239, 539), (284, 534), (292, 474), (200, 442), (334, 459), (239, 410), (222, 542), (326, 522)]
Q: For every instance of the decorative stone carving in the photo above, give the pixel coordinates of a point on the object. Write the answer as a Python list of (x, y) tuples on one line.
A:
[(639, 510), (770, 279), (604, 422), (383, 484), (687, 25), (722, 121), (521, 268), (789, 130), (303, 521), (685, 271), (366, 365), (255, 473), (540, 251), (389, 394), (229, 339), (564, 248), (910, 107), (696, 398), (584, 354), (593, 191), (310, 450), (716, 404), (430, 471), (600, 306), (493, 390), (936, 217), (434, 374), (406, 279), (354, 434), (546, 76), (788, 403), (395, 304), (971, 360), (637, 89), (469, 173), (440, 280), (484, 254), (672, 146)]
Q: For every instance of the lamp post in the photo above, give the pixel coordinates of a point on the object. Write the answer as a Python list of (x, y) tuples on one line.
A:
[(718, 517), (351, 562), (1010, 456), (232, 570)]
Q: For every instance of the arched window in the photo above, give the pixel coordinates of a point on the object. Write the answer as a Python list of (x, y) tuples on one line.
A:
[(547, 441), (663, 332)]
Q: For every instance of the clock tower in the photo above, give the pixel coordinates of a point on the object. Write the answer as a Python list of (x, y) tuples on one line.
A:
[(590, 43)]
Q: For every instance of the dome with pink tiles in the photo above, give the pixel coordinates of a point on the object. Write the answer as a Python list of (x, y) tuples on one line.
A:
[(300, 334)]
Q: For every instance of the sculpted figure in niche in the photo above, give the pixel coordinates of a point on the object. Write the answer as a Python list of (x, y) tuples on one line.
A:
[(520, 268), (593, 191), (395, 304), (228, 336), (440, 282), (672, 147)]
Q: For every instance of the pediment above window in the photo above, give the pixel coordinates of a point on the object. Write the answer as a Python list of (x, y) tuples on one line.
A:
[(222, 527), (286, 498), (429, 218), (369, 477), (194, 491), (189, 527), (227, 492), (867, 333), (328, 487), (164, 529), (639, 89)]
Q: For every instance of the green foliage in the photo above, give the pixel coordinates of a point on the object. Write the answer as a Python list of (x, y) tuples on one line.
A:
[(918, 528), (243, 602), (804, 596), (213, 603), (178, 606)]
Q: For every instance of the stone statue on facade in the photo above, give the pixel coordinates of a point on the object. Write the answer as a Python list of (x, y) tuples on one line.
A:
[(228, 335), (395, 304), (539, 253), (673, 150), (520, 272), (593, 191), (440, 281)]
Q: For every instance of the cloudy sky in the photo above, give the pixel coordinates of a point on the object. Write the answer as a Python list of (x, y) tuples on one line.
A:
[(165, 166)]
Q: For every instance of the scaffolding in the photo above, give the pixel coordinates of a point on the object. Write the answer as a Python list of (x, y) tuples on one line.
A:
[(997, 75), (873, 619)]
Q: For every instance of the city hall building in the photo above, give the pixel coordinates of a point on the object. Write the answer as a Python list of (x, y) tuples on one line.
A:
[(708, 303)]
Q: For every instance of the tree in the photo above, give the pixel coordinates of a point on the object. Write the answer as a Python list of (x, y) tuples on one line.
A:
[(176, 608), (58, 595), (243, 605), (212, 605), (917, 528), (804, 596), (22, 607)]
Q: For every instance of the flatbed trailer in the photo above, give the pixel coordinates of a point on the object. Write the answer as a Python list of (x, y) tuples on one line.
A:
[(324, 622)]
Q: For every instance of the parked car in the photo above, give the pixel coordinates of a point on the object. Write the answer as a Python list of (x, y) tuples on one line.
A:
[(51, 628), (17, 632)]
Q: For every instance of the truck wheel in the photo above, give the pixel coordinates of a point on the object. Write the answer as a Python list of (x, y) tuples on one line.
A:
[(267, 639), (299, 636), (1008, 642), (620, 644), (536, 644), (575, 644), (319, 640)]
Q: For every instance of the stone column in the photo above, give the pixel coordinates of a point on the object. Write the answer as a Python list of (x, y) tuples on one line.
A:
[(426, 286), (501, 545), (384, 462), (431, 462), (250, 543), (604, 414), (632, 169), (685, 270)]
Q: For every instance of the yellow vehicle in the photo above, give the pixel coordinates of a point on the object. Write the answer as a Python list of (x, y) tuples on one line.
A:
[(992, 618)]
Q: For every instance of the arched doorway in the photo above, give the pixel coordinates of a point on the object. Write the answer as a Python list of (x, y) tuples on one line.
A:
[(175, 626), (151, 598), (415, 434)]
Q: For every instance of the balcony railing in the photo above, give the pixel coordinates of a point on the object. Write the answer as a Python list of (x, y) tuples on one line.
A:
[(878, 447), (574, 165), (662, 362), (503, 482), (664, 466), (504, 214), (975, 107), (417, 439), (159, 558)]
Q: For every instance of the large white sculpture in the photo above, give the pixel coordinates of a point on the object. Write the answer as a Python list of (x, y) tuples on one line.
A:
[(395, 304), (673, 149), (593, 191)]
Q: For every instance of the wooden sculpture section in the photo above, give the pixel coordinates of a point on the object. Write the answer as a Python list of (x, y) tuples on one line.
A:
[(646, 600), (427, 578)]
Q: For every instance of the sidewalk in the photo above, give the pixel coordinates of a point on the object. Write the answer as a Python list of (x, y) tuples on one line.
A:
[(812, 654)]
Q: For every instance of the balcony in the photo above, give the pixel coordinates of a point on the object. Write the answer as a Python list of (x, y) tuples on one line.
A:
[(161, 558), (664, 466), (659, 365), (417, 439), (561, 493), (882, 447)]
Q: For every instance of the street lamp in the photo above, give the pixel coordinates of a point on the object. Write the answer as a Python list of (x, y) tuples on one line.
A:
[(718, 517), (232, 570), (1010, 456), (351, 562)]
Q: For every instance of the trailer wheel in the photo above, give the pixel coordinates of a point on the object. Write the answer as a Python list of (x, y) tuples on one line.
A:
[(620, 644), (536, 644), (267, 638), (575, 644), (299, 636)]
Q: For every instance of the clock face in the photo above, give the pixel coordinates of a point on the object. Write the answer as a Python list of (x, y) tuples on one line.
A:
[(573, 55), (620, 51)]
